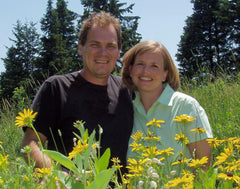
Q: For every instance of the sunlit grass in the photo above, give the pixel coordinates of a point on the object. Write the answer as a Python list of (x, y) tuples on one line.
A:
[(220, 99)]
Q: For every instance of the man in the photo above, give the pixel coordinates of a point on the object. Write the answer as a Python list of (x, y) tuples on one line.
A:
[(92, 95)]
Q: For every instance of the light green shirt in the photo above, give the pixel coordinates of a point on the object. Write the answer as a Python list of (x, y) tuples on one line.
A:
[(169, 105)]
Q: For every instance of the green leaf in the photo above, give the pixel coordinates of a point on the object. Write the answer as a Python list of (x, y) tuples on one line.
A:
[(63, 160), (102, 179), (69, 182), (103, 162)]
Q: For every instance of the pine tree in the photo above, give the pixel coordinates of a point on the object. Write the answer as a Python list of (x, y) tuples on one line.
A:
[(59, 52), (21, 58), (204, 46)]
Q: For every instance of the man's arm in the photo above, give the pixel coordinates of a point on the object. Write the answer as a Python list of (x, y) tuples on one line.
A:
[(31, 139), (201, 149)]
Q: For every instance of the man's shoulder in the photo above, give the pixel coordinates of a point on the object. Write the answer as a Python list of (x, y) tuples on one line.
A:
[(63, 79)]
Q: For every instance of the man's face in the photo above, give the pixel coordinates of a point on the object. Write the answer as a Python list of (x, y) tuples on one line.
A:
[(100, 52)]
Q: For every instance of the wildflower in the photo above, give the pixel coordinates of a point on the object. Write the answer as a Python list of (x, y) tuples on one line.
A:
[(1, 182), (157, 161), (136, 166), (199, 130), (184, 118), (153, 184), (229, 176), (25, 177), (25, 119), (198, 162), (78, 149), (151, 170), (3, 159), (152, 138), (180, 161), (181, 138), (136, 146), (173, 172), (167, 151), (213, 142), (224, 155), (155, 176), (115, 160), (137, 136), (155, 123), (151, 151), (43, 171), (27, 149), (232, 166), (177, 182), (140, 183)]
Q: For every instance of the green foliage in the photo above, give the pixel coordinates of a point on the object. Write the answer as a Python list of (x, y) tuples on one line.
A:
[(220, 99), (20, 99), (21, 58), (210, 41)]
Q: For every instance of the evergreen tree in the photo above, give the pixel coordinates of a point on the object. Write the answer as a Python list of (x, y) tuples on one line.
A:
[(129, 24), (59, 52), (205, 46), (21, 58)]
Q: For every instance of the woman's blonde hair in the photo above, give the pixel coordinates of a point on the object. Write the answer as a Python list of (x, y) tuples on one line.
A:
[(128, 60)]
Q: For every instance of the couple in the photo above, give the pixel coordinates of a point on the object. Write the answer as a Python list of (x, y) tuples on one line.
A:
[(97, 97)]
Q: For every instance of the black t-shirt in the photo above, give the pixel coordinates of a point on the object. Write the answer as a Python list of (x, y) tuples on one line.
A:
[(64, 99)]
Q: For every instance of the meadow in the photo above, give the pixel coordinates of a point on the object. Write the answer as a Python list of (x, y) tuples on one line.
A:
[(220, 99)]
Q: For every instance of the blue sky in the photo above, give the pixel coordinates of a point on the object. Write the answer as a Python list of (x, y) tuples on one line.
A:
[(161, 20)]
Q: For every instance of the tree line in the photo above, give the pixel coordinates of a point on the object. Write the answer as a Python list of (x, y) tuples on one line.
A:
[(209, 45)]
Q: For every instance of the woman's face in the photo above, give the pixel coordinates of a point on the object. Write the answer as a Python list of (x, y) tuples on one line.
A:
[(148, 72)]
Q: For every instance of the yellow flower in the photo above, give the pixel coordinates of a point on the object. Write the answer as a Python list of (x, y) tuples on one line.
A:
[(199, 130), (186, 182), (115, 160), (167, 151), (198, 162), (25, 177), (184, 118), (151, 152), (224, 155), (229, 176), (136, 166), (3, 159), (181, 138), (42, 171), (213, 142), (180, 161), (232, 166), (136, 146), (155, 123), (137, 136), (25, 119), (78, 149), (1, 182)]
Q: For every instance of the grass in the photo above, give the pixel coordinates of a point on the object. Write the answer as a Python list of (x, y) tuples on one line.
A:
[(220, 99)]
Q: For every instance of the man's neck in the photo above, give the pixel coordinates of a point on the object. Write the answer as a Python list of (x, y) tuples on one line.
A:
[(93, 79)]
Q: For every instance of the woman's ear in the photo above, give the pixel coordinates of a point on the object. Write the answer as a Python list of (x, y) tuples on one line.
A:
[(165, 75)]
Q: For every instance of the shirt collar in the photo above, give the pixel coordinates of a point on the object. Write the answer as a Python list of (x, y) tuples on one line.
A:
[(165, 98)]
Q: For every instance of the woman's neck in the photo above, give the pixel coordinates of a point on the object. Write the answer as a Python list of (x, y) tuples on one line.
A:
[(148, 98)]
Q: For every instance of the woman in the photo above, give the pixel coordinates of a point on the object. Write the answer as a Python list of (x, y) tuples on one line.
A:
[(149, 70)]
